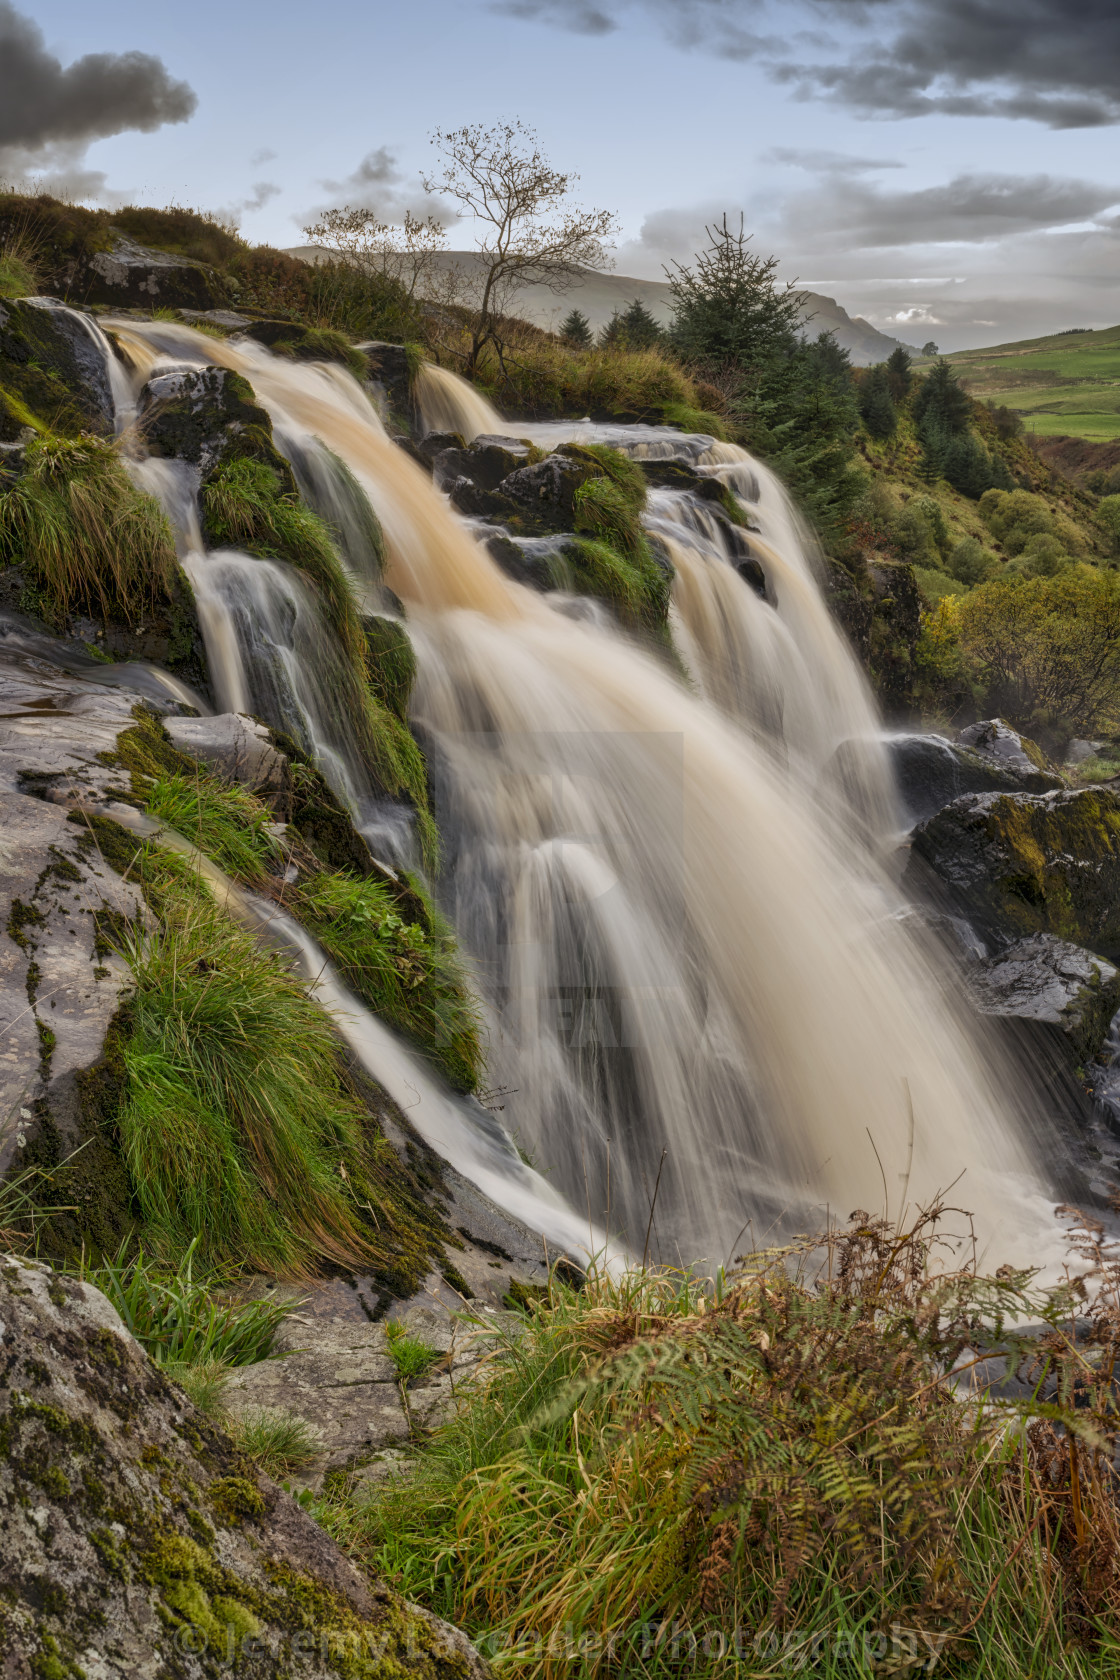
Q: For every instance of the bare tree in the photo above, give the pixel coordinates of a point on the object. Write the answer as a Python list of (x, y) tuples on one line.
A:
[(404, 252), (500, 178)]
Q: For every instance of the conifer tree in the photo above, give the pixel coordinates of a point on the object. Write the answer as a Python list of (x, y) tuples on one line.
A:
[(575, 330), (641, 329)]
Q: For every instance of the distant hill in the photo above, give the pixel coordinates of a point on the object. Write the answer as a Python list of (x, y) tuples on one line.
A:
[(1064, 385), (599, 295)]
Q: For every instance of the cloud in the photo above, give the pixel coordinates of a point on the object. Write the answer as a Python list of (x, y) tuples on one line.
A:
[(265, 155), (970, 209), (827, 163), (261, 193), (378, 184), (1047, 61), (49, 114)]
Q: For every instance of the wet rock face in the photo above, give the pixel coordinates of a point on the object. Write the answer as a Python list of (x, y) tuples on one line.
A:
[(135, 1540), (388, 367), (931, 771), (1025, 863), (547, 490), (203, 415), (1011, 755), (51, 366), (1053, 987)]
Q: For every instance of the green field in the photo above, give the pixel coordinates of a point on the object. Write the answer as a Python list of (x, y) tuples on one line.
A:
[(1068, 383)]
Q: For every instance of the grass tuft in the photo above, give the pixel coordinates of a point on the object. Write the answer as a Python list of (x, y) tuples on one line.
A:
[(276, 1440), (412, 1358), (175, 1318), (75, 522), (408, 974)]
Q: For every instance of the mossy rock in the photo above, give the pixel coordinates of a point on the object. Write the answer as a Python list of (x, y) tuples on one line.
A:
[(52, 374), (138, 1540), (308, 344), (1024, 863), (209, 416)]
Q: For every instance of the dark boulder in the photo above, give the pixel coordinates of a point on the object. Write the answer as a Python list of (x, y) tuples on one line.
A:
[(52, 368), (131, 275), (1011, 755), (896, 623), (388, 366), (546, 490), (1022, 863), (208, 416), (487, 461), (1051, 989), (931, 771)]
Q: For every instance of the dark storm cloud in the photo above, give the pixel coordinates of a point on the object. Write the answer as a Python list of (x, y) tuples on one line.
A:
[(1050, 61), (45, 106)]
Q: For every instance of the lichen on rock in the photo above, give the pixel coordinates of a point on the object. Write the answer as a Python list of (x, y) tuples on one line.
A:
[(135, 1539)]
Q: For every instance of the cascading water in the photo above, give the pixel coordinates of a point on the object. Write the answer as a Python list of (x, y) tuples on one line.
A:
[(684, 942)]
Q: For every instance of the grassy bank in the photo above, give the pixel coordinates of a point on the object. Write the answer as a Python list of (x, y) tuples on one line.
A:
[(1064, 383), (657, 1476)]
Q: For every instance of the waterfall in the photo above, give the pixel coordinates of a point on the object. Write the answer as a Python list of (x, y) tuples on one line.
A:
[(698, 974)]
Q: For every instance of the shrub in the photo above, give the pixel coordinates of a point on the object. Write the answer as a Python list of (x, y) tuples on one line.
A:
[(1108, 517), (74, 520), (1047, 649), (1041, 556), (970, 561)]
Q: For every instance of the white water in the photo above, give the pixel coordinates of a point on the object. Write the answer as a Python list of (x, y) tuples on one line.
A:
[(685, 944)]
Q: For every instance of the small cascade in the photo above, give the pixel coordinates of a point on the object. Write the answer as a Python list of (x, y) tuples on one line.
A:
[(121, 392), (460, 1130), (689, 954)]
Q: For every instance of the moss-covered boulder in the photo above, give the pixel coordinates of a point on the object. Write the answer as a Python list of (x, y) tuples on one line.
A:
[(1015, 758), (209, 416), (134, 1539), (132, 275), (546, 490), (1021, 863), (51, 373), (307, 344)]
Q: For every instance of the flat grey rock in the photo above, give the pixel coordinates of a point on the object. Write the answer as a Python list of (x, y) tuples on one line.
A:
[(237, 747)]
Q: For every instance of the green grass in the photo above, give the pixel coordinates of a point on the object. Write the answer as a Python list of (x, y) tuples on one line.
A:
[(83, 533), (412, 1358), (175, 1317), (1063, 384), (225, 821), (612, 558), (408, 973), (276, 1440), (775, 1452), (16, 277)]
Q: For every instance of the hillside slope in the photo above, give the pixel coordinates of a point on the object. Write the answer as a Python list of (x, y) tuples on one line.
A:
[(1066, 384), (599, 295)]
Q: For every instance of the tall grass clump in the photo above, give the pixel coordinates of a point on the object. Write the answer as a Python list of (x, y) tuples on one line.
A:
[(235, 1121), (90, 540), (408, 973), (784, 1464), (175, 1317)]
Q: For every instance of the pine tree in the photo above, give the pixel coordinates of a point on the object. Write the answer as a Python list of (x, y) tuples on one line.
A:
[(575, 330), (640, 327), (613, 335), (876, 404), (899, 375)]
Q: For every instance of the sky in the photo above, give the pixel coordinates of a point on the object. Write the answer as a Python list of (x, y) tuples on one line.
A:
[(948, 169)]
